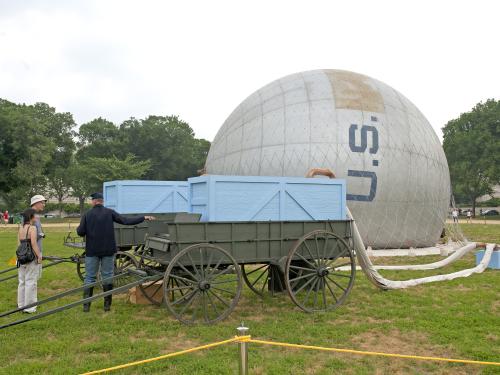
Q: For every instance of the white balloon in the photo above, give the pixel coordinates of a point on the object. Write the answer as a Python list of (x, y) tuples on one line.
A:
[(364, 131)]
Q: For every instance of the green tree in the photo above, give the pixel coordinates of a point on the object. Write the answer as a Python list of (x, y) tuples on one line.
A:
[(99, 138), (79, 183), (169, 144), (31, 138), (112, 168), (58, 127), (88, 176), (472, 143), (59, 184)]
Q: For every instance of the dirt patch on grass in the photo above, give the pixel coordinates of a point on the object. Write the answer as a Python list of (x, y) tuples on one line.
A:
[(138, 335), (315, 366), (178, 343), (414, 343), (146, 318), (183, 344), (259, 370), (408, 343), (358, 320), (377, 321), (462, 288), (256, 318), (495, 307), (51, 337), (492, 337), (89, 340), (169, 343)]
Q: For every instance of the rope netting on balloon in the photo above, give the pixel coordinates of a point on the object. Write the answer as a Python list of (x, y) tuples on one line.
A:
[(451, 243), (451, 236)]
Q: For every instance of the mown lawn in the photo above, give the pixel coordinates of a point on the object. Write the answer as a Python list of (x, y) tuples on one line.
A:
[(458, 319)]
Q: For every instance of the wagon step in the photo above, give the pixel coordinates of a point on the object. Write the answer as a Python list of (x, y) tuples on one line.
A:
[(76, 303)]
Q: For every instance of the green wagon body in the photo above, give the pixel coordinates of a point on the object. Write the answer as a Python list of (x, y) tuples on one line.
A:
[(197, 269), (247, 242)]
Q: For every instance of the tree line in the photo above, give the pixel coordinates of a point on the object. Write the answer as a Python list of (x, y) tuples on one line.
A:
[(42, 151), (471, 143)]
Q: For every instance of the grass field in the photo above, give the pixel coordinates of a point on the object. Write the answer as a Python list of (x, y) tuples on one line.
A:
[(457, 319)]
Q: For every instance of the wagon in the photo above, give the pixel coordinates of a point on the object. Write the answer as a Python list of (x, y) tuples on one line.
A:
[(201, 267), (198, 268)]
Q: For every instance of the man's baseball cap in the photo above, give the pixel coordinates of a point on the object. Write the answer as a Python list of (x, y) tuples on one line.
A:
[(37, 198), (96, 196)]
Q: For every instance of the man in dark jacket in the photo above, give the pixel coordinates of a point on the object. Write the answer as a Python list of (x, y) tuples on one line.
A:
[(100, 245)]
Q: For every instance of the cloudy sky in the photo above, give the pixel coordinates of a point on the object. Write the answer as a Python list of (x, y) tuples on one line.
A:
[(200, 59)]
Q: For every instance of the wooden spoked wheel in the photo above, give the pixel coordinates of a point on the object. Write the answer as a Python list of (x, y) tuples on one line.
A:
[(80, 267), (202, 284), (263, 278), (153, 291), (314, 278), (123, 262)]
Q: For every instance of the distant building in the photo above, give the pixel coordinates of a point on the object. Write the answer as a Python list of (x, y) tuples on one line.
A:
[(487, 197), (72, 200)]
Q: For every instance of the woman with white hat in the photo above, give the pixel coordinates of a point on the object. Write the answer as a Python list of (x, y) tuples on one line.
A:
[(38, 204), (28, 272)]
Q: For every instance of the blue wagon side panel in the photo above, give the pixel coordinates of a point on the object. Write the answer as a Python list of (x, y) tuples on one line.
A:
[(136, 196), (247, 198), (198, 198)]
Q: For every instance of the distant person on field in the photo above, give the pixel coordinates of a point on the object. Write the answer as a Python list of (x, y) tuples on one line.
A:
[(454, 213), (38, 204), (6, 217), (100, 245), (469, 216), (28, 273)]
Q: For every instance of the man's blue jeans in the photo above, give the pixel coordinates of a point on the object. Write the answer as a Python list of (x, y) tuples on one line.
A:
[(92, 265)]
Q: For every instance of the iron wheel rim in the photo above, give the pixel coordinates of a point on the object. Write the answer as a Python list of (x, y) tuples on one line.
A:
[(312, 272), (211, 284)]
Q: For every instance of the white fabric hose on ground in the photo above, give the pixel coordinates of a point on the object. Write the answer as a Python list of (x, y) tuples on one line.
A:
[(431, 266), (381, 282)]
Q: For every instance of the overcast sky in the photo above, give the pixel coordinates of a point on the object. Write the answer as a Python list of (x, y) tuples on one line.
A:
[(200, 59)]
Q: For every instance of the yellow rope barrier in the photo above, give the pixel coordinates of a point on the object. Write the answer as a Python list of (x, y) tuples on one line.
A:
[(284, 344), (170, 355), (287, 345)]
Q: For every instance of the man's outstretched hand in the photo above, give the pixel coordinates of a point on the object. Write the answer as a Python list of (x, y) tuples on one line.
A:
[(149, 218)]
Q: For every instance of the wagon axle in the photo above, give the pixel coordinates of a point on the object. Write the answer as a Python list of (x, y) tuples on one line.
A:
[(203, 285), (323, 271)]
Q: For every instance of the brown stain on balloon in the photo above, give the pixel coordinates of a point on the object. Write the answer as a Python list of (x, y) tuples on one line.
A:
[(354, 91)]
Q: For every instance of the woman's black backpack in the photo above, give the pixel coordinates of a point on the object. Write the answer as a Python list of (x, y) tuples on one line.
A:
[(24, 252)]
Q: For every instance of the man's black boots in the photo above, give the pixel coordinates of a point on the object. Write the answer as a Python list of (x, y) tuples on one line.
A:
[(107, 299), (88, 292)]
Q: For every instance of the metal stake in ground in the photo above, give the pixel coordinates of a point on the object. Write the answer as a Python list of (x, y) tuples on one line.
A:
[(243, 347)]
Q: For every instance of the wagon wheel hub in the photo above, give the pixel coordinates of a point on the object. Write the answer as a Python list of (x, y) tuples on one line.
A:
[(322, 271), (203, 285)]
